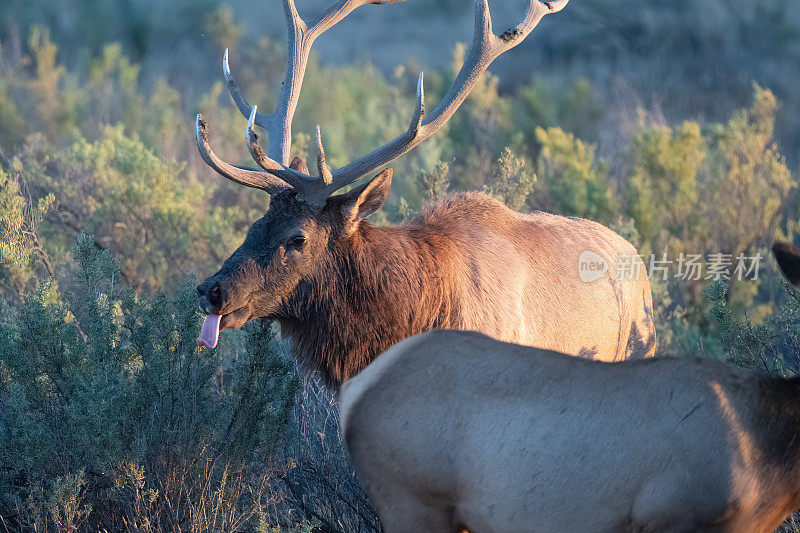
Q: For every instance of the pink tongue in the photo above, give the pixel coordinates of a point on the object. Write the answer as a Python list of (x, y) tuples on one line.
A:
[(210, 331)]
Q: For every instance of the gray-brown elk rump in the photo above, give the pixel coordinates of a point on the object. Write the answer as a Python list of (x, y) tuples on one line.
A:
[(344, 290), (453, 430)]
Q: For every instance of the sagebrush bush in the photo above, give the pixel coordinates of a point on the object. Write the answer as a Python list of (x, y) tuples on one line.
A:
[(771, 346), (110, 418)]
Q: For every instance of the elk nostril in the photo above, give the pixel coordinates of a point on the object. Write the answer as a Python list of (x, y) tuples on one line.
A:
[(215, 295)]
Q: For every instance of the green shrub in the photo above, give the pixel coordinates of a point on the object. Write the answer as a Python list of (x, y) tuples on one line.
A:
[(573, 181), (771, 346), (110, 419)]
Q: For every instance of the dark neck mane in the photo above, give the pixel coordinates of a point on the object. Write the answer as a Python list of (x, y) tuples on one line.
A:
[(383, 286)]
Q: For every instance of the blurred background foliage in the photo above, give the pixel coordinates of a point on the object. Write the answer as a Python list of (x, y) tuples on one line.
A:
[(673, 123)]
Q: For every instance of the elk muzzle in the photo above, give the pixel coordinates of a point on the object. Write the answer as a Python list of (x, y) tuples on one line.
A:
[(215, 303)]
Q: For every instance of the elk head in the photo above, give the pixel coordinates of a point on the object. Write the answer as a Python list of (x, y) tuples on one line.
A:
[(306, 222)]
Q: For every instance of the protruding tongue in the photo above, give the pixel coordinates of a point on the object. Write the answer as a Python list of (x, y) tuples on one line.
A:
[(209, 334)]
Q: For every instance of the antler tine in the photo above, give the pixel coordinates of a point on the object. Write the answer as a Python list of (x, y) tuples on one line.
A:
[(242, 175), (483, 22), (419, 106), (485, 48), (238, 98), (324, 172), (254, 148), (556, 5), (295, 178), (293, 18), (536, 10), (339, 10)]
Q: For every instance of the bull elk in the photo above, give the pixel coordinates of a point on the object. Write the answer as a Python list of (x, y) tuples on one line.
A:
[(343, 290), (453, 430)]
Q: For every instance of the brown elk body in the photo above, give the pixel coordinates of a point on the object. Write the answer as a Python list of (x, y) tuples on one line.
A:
[(466, 263), (453, 430), (344, 290)]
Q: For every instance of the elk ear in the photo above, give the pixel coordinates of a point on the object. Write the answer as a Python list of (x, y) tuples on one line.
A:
[(788, 258), (362, 201)]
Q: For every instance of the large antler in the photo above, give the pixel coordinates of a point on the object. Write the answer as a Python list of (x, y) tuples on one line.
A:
[(485, 48)]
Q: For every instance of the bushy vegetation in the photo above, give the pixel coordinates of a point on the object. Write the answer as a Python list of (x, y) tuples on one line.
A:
[(112, 419), (771, 346)]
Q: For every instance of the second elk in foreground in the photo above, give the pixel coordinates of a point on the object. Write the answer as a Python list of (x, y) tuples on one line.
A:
[(343, 291), (453, 430)]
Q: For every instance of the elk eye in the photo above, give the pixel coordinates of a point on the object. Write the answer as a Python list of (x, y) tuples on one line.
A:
[(298, 240)]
